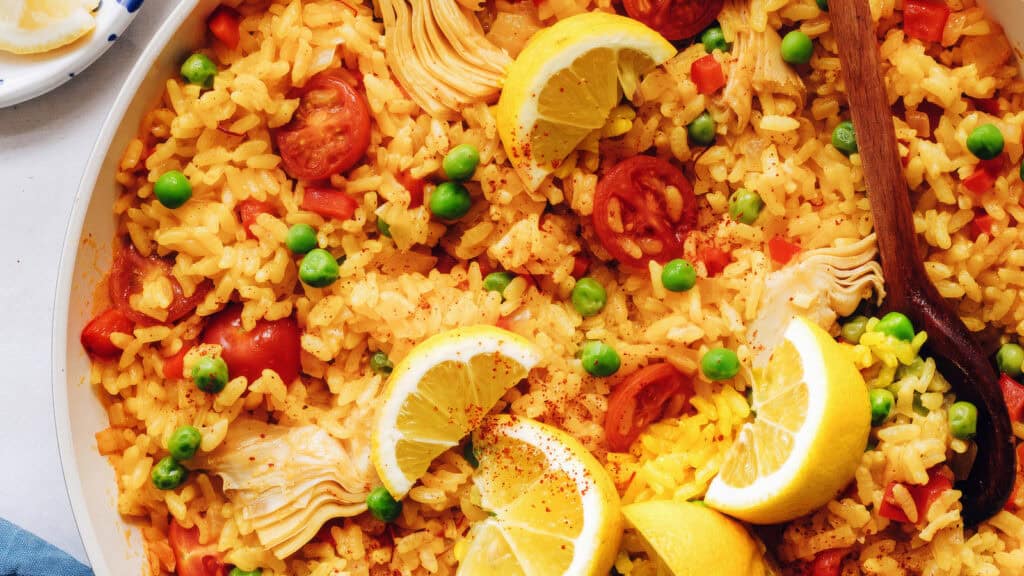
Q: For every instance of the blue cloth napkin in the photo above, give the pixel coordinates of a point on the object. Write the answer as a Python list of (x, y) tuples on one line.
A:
[(25, 554)]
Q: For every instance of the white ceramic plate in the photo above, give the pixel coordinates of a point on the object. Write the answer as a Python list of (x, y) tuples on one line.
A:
[(23, 77), (114, 548)]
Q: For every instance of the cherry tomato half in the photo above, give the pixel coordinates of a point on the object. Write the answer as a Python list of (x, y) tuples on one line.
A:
[(329, 131), (96, 334), (272, 344), (643, 209), (223, 24), (192, 558), (639, 400), (131, 270), (675, 19)]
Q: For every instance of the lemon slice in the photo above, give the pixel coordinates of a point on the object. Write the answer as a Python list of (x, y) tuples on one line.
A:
[(565, 83), (804, 445), (553, 508), (690, 539), (34, 26), (439, 393)]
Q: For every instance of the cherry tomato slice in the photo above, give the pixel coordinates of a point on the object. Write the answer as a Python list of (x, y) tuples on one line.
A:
[(329, 203), (329, 131), (192, 558), (644, 204), (223, 24), (675, 19), (639, 400), (127, 275), (96, 334), (249, 210), (272, 344)]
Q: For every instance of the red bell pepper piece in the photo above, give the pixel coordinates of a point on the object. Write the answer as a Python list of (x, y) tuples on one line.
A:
[(249, 210), (782, 250), (925, 19), (924, 496), (224, 24), (1013, 395), (828, 562), (707, 74)]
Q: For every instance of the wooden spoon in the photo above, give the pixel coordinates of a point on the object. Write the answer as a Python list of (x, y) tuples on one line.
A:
[(957, 353)]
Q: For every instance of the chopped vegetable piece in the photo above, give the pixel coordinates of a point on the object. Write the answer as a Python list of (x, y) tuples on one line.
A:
[(982, 224), (383, 506), (168, 474), (498, 281), (249, 211), (599, 359), (782, 250), (923, 495), (896, 325), (301, 238), (678, 275), (450, 201), (986, 142), (96, 334), (828, 562), (199, 69), (1013, 395), (460, 163), (675, 19), (380, 363), (720, 364), (702, 130), (1010, 358), (184, 442), (210, 374), (745, 206), (640, 400), (797, 47), (980, 181), (714, 39), (588, 297), (707, 75), (224, 25), (963, 420), (715, 260), (172, 189), (580, 265), (318, 269), (853, 329), (882, 402), (925, 19), (174, 366), (414, 186), (329, 203), (383, 227), (844, 137), (190, 557)]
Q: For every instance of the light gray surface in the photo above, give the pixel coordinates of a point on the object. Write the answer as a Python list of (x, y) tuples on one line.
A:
[(44, 145)]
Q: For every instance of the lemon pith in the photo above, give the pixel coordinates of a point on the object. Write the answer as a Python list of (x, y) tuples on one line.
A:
[(439, 393), (803, 447), (554, 510), (566, 81)]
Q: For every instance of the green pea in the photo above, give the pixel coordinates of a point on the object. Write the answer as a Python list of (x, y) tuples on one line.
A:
[(822, 5), (797, 48), (168, 474), (172, 189), (450, 201), (210, 374), (380, 363), (384, 228), (184, 442), (1010, 358), (844, 137), (918, 405), (702, 130), (745, 206), (383, 506), (882, 401), (470, 454), (236, 571), (720, 364), (896, 325), (963, 420), (301, 238), (588, 297), (199, 69), (714, 39), (985, 142), (318, 269), (599, 359), (498, 281), (461, 162), (854, 329), (678, 275)]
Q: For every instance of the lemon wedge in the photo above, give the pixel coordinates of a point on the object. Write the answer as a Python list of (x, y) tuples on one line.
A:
[(553, 507), (565, 83), (806, 441), (439, 393), (35, 26), (690, 539)]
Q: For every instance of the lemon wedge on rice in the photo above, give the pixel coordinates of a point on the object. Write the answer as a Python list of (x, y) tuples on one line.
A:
[(805, 443), (439, 393), (553, 508), (565, 83), (690, 539), (35, 26)]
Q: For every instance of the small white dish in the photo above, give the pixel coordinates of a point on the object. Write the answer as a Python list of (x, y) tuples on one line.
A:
[(23, 77)]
